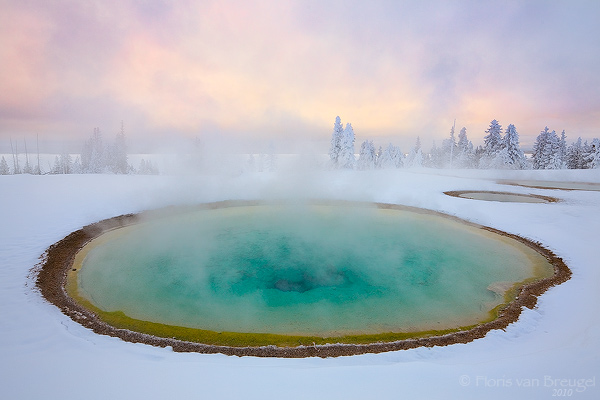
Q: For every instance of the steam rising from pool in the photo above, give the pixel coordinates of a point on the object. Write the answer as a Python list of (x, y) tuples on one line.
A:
[(302, 269)]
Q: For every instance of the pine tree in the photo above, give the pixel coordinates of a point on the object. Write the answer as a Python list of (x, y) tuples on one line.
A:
[(452, 145), (546, 153), (76, 167), (492, 146), (415, 157), (346, 158), (436, 157), (378, 157), (513, 156), (493, 140), (593, 158), (56, 168), (146, 168), (386, 160), (464, 158), (538, 155), (367, 156), (27, 168), (93, 157), (449, 149), (63, 164), (118, 156), (336, 143), (391, 157), (4, 170), (562, 148), (574, 158)]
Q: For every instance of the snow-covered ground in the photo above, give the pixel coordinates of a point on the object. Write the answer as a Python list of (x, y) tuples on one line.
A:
[(552, 351)]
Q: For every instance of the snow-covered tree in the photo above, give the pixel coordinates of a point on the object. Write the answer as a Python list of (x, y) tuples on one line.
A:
[(554, 152), (367, 156), (92, 156), (63, 164), (346, 157), (76, 168), (391, 157), (450, 148), (118, 154), (146, 168), (492, 142), (378, 156), (56, 167), (512, 156), (593, 158), (336, 142), (562, 149), (464, 144), (436, 157), (492, 146), (4, 170), (546, 151), (465, 156), (415, 157), (575, 155), (542, 142)]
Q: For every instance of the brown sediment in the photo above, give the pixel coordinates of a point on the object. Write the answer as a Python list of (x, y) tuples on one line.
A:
[(464, 194), (59, 258)]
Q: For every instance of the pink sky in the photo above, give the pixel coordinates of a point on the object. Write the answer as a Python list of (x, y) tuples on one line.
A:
[(286, 69)]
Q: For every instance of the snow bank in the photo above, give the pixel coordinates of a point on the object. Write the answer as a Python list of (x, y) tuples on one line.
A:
[(44, 354)]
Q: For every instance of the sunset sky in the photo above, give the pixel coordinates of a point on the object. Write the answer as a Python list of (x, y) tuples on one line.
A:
[(285, 69)]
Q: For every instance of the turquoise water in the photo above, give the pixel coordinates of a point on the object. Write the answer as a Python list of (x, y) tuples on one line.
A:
[(313, 269)]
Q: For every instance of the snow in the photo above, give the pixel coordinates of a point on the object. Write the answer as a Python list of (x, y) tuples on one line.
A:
[(44, 354)]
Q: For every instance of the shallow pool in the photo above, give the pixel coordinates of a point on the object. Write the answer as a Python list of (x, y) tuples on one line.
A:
[(305, 269)]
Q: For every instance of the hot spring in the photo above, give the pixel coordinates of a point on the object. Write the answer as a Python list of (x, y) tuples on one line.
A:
[(319, 270)]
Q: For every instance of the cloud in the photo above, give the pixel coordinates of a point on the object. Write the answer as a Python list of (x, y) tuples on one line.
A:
[(268, 69)]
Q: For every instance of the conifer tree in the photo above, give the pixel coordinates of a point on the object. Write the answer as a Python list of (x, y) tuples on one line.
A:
[(27, 168), (436, 159), (562, 148), (367, 156), (513, 156), (464, 158), (378, 156), (415, 157), (391, 157), (4, 170), (493, 139), (118, 154), (575, 157), (93, 155), (346, 158), (449, 149), (492, 146), (593, 158), (546, 150), (336, 142)]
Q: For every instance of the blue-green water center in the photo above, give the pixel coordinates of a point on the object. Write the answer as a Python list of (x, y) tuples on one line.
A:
[(325, 270)]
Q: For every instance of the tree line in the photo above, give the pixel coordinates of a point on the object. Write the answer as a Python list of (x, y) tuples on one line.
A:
[(96, 157), (498, 151)]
